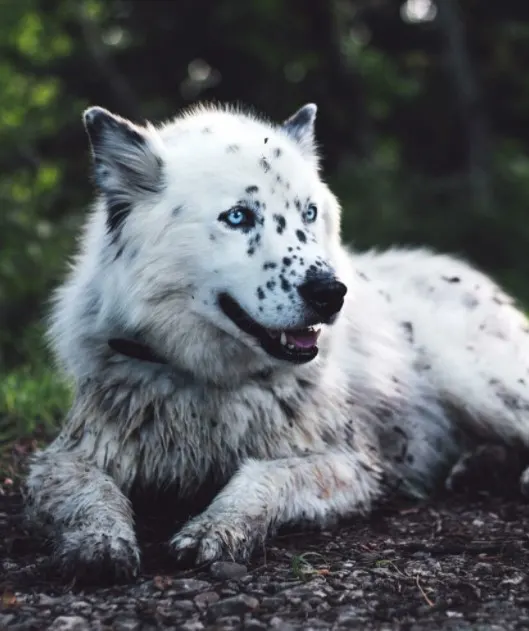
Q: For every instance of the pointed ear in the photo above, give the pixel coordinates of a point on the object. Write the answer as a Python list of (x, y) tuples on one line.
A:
[(127, 162), (300, 127)]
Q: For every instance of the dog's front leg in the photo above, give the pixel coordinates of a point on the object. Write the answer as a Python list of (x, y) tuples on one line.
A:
[(264, 495), (87, 517)]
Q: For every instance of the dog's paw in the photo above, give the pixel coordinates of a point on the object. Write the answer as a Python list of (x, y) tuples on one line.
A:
[(87, 556), (488, 468), (210, 537)]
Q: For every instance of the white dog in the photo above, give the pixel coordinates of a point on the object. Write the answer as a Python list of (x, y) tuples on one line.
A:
[(214, 324)]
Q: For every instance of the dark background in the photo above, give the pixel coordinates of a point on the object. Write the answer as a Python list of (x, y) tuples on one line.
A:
[(423, 121)]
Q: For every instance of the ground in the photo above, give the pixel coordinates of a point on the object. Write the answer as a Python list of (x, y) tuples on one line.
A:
[(455, 564)]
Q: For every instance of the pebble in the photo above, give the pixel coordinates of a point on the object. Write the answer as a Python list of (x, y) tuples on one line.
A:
[(205, 599), (123, 623), (188, 586), (234, 606), (69, 623), (225, 570)]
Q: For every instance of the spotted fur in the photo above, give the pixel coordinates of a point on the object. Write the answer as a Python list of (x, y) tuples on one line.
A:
[(426, 356)]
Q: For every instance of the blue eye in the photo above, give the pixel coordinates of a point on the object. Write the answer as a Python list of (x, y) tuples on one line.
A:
[(238, 217), (311, 213)]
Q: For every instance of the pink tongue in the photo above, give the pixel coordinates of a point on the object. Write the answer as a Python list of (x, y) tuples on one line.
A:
[(303, 339)]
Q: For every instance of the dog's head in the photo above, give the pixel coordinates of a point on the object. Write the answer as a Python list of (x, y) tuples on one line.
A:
[(216, 237)]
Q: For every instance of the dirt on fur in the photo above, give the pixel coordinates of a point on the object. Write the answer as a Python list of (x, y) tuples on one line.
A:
[(456, 563)]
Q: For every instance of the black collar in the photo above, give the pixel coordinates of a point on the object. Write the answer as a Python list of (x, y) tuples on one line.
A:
[(142, 352), (136, 350)]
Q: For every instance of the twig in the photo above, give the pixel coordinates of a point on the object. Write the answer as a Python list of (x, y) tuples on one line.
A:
[(425, 595)]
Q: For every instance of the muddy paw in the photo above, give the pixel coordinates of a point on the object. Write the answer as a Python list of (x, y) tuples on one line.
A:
[(96, 557), (492, 468), (208, 538)]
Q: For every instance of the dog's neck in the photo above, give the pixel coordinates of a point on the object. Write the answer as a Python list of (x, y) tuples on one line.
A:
[(141, 351)]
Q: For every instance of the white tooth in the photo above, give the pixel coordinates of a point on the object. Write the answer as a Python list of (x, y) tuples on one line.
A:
[(283, 338), (291, 347)]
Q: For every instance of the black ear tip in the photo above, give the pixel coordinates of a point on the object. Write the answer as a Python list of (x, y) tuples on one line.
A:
[(310, 110), (94, 115), (304, 117)]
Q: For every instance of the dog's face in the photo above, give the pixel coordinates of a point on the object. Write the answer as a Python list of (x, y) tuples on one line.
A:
[(220, 233)]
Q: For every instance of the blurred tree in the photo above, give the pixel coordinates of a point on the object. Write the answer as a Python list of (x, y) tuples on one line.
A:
[(423, 112)]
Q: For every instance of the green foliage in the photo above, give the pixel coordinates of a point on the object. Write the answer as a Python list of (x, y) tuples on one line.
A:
[(33, 400)]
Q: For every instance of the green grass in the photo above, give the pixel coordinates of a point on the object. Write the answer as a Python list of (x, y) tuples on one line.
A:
[(33, 400)]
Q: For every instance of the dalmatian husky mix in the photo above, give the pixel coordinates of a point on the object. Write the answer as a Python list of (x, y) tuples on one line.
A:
[(214, 324)]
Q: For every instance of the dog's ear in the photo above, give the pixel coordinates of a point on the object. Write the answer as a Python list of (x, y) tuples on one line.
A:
[(127, 162), (300, 127)]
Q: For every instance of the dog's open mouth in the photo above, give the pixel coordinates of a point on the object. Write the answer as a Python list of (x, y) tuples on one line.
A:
[(294, 345)]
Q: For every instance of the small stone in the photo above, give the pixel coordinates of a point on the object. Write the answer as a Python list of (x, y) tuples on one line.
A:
[(205, 599), (234, 606), (183, 605), (254, 625), (44, 599), (225, 570), (280, 624), (6, 619), (189, 586), (191, 625), (69, 623), (125, 623)]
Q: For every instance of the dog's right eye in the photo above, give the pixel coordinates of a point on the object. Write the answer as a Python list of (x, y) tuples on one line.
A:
[(238, 217)]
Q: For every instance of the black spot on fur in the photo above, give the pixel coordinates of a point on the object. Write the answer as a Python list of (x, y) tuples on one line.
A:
[(285, 285), (250, 251), (303, 383), (281, 223), (408, 328), (260, 293), (328, 437), (287, 204), (232, 148), (119, 252), (451, 279), (278, 179), (252, 189), (117, 212), (297, 204), (265, 140), (287, 409), (279, 307), (212, 237), (301, 236), (271, 284), (269, 265), (287, 261), (264, 164), (176, 211), (277, 152)]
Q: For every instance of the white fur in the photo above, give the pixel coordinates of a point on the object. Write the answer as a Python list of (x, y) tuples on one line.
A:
[(290, 442)]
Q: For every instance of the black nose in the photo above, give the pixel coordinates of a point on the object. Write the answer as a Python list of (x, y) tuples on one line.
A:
[(324, 295)]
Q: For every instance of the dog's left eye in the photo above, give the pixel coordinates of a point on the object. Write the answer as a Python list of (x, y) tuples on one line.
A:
[(311, 213), (238, 217)]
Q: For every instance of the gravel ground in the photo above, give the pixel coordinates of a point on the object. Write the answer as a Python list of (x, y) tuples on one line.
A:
[(457, 563)]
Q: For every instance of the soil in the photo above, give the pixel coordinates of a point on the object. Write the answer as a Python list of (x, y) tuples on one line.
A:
[(453, 564)]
